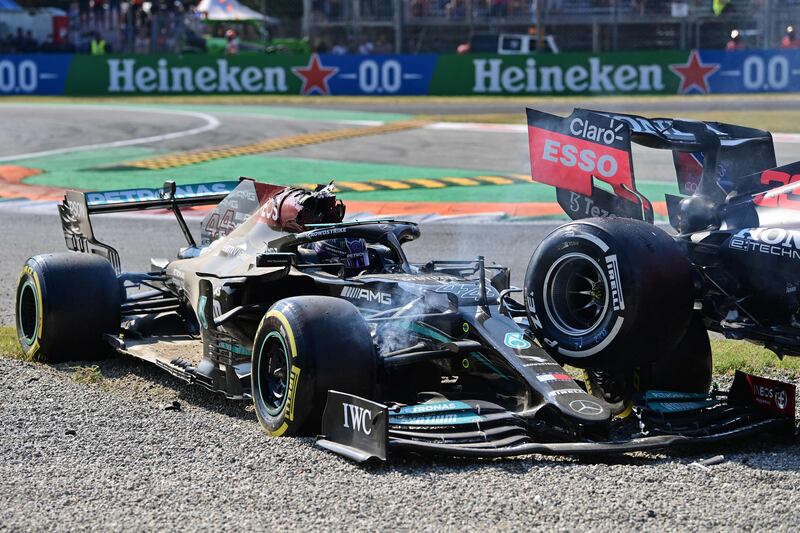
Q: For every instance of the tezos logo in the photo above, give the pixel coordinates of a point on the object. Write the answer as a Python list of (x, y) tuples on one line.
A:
[(516, 341), (358, 417)]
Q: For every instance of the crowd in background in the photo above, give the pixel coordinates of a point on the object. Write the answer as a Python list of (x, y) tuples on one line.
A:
[(136, 26), (337, 10), (161, 26), (21, 42)]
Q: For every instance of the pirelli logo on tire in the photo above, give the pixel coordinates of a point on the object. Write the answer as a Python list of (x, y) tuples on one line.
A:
[(294, 376), (613, 280)]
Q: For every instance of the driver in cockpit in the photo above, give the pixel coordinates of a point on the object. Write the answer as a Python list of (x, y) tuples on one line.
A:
[(352, 254)]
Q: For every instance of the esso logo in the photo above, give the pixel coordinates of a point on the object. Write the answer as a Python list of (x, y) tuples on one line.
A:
[(569, 155)]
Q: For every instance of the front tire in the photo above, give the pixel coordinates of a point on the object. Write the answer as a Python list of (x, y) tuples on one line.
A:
[(609, 293), (65, 303), (305, 346)]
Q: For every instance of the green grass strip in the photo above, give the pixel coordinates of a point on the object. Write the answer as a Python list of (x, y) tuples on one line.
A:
[(729, 356)]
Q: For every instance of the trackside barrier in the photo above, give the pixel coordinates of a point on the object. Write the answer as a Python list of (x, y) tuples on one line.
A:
[(694, 72)]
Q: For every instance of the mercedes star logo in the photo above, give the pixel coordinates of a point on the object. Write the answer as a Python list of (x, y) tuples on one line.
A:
[(781, 400), (585, 407)]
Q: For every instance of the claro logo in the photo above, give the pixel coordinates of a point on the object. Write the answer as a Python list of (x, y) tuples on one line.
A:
[(582, 128), (357, 418)]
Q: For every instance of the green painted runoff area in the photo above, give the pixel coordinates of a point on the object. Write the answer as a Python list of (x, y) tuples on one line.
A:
[(82, 170)]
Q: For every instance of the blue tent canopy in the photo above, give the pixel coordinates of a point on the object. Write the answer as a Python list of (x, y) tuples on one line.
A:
[(9, 5)]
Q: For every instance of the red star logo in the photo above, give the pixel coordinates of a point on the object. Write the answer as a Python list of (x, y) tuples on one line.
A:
[(694, 73), (315, 76)]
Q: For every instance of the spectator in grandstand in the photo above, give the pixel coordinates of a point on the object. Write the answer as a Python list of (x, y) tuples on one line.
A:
[(382, 45), (499, 8), (456, 9), (232, 47), (339, 49), (18, 41), (332, 9), (31, 44), (789, 40), (320, 46), (142, 42), (98, 45), (638, 6), (366, 48), (735, 42)]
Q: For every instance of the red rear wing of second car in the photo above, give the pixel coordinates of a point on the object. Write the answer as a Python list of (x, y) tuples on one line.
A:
[(570, 153)]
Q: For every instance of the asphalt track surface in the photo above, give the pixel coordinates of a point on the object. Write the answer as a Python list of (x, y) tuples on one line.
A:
[(38, 128), (564, 106), (107, 456)]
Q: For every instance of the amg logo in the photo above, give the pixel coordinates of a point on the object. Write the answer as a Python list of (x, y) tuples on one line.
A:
[(359, 417), (613, 278), (356, 293)]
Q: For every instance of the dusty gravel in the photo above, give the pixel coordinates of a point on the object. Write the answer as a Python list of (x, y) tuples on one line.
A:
[(131, 465), (107, 456)]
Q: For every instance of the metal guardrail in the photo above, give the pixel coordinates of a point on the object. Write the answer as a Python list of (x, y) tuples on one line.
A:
[(424, 25)]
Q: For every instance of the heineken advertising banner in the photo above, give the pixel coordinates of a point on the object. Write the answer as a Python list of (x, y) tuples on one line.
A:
[(695, 72)]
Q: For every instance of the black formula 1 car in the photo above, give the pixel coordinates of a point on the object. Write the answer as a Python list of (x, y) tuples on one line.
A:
[(329, 330), (616, 294)]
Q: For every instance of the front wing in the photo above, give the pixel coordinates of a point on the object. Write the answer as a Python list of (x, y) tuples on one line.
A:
[(360, 429)]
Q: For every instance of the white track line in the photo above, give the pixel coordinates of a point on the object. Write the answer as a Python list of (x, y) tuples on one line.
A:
[(211, 123), (780, 138), (478, 127)]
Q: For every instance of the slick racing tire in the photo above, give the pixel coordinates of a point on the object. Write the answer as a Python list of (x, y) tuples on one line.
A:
[(65, 303), (687, 368), (305, 346), (608, 293)]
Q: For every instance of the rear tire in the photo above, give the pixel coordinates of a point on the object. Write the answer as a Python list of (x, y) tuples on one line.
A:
[(305, 346), (688, 368), (65, 303), (609, 293)]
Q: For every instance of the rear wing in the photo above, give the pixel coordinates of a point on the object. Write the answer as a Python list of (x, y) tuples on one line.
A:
[(578, 153), (77, 207)]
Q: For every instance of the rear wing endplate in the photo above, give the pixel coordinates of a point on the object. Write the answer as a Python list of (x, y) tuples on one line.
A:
[(77, 207), (574, 153)]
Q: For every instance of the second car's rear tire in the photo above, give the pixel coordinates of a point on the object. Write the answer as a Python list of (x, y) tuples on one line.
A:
[(687, 368), (305, 346), (609, 293)]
